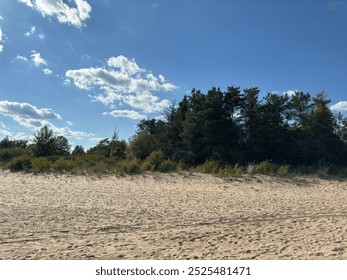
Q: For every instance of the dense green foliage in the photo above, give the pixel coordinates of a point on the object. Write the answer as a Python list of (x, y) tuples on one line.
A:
[(236, 127), (228, 133)]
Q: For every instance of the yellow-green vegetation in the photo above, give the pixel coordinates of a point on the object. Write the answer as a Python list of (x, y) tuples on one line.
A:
[(225, 133), (41, 164), (283, 170), (265, 168)]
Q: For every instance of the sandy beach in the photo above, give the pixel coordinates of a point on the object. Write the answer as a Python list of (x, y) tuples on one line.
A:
[(171, 216)]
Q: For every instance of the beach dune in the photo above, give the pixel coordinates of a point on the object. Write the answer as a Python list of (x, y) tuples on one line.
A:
[(171, 216)]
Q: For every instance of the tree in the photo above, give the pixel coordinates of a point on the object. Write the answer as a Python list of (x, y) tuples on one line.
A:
[(62, 146), (250, 116), (109, 148), (273, 136), (78, 151), (323, 126), (142, 145), (45, 142), (7, 143)]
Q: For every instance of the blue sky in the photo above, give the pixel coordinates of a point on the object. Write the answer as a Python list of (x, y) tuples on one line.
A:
[(84, 66)]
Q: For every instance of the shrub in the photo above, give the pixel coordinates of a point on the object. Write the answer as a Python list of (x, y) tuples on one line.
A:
[(209, 167), (153, 161), (40, 164), (19, 164), (283, 170), (181, 166), (142, 145), (7, 154), (128, 167), (234, 171), (265, 167), (63, 164), (167, 166)]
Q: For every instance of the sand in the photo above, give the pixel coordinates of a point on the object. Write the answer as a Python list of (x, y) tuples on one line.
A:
[(171, 216)]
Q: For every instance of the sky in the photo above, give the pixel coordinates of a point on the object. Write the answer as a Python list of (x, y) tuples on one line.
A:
[(84, 67)]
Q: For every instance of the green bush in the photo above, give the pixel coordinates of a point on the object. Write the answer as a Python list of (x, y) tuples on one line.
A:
[(128, 167), (40, 164), (283, 170), (209, 167), (19, 164), (153, 161), (233, 171), (7, 154), (167, 166), (63, 164), (265, 167), (182, 165)]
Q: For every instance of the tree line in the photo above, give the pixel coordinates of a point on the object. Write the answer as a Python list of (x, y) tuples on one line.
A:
[(229, 127), (235, 126)]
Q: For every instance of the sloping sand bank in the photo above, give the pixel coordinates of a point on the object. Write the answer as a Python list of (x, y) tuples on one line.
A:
[(171, 216)]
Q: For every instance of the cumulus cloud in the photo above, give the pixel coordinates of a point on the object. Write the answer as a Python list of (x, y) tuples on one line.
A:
[(37, 59), (339, 106), (33, 118), (47, 71), (122, 81), (75, 13), (125, 114), (1, 40), (26, 111)]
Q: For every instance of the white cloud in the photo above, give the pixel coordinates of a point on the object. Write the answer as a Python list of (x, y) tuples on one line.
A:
[(37, 59), (74, 14), (41, 36), (33, 30), (3, 130), (47, 71), (96, 139), (18, 110), (123, 81), (290, 92), (21, 58), (28, 2), (125, 114), (1, 18), (66, 131), (23, 136), (125, 65), (339, 106), (1, 40), (30, 32), (67, 82), (33, 118)]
